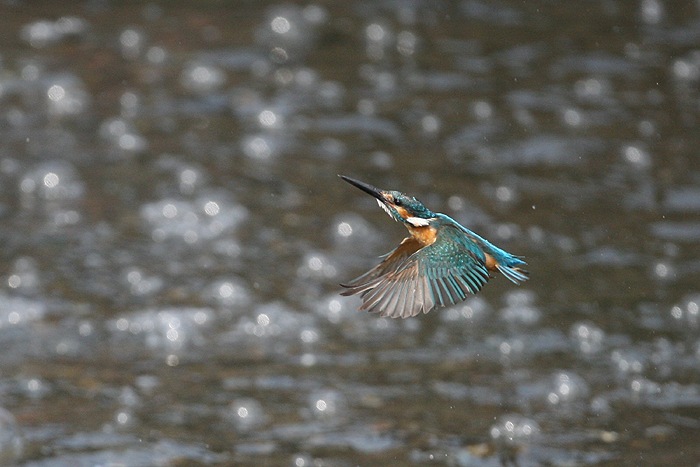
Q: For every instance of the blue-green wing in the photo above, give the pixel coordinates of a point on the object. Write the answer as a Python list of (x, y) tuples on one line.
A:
[(440, 274)]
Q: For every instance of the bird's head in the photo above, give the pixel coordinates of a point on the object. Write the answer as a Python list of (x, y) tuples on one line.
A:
[(400, 207)]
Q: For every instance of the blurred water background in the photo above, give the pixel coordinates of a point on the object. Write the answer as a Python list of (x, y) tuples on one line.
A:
[(173, 232)]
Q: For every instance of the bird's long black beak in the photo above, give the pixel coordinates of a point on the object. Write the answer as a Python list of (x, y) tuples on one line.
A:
[(367, 188)]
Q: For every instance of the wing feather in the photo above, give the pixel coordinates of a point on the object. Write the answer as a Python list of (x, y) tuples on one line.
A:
[(391, 262), (402, 295)]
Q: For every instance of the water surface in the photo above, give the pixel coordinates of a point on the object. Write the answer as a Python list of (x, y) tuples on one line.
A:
[(174, 232)]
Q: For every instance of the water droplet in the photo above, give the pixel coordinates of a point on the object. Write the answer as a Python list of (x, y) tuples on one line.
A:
[(514, 430), (280, 25), (245, 414)]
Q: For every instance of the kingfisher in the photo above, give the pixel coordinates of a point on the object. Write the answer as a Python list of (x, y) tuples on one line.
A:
[(437, 265)]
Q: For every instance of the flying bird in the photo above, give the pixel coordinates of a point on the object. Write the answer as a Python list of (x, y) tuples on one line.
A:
[(439, 264)]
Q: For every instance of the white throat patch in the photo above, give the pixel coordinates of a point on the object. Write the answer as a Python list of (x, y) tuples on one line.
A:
[(417, 221)]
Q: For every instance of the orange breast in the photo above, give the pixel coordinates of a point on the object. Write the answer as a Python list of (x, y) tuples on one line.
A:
[(424, 235)]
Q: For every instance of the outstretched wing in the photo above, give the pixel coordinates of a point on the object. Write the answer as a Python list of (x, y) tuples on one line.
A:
[(440, 274), (391, 263)]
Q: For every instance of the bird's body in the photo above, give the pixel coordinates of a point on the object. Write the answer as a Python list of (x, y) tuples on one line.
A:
[(439, 264)]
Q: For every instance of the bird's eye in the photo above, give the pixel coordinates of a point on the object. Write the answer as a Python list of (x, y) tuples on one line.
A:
[(397, 202)]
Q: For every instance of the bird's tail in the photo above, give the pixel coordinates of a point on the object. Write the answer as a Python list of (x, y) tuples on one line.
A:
[(511, 268)]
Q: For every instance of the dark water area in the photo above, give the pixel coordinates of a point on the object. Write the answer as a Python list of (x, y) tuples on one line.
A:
[(173, 232)]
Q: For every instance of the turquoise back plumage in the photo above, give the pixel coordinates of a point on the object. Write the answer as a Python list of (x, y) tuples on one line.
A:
[(509, 265)]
